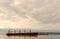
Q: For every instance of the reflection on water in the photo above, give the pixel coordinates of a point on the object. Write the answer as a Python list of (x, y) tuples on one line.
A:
[(22, 37), (31, 37)]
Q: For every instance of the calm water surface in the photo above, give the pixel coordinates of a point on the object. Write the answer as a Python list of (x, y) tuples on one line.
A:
[(31, 37)]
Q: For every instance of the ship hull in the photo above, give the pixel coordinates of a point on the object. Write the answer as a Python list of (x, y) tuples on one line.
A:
[(22, 34)]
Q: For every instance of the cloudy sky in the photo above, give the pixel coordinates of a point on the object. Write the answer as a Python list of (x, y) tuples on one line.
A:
[(30, 14)]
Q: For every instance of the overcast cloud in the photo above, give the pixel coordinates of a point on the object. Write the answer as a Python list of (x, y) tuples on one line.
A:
[(30, 14)]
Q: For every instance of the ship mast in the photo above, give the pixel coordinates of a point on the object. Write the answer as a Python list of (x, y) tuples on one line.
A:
[(8, 31)]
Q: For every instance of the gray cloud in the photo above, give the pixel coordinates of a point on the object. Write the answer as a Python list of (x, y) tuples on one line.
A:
[(46, 13)]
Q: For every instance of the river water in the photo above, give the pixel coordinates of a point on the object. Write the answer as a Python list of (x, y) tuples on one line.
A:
[(31, 37)]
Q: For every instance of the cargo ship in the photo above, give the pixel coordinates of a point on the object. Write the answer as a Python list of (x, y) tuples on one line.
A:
[(22, 33)]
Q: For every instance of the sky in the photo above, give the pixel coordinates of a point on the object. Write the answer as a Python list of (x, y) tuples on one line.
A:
[(30, 14)]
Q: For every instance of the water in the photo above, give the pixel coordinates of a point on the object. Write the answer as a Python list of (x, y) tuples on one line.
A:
[(31, 37)]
